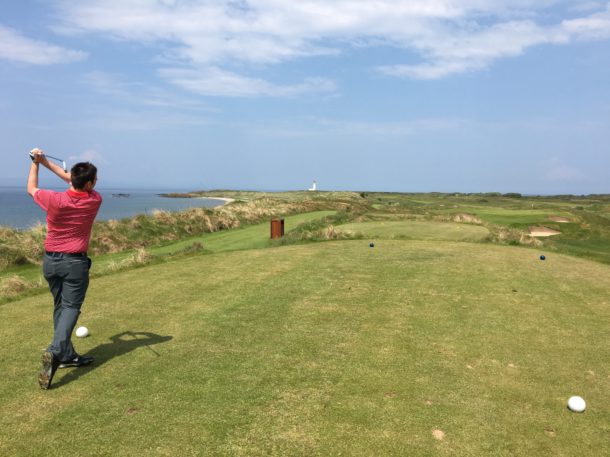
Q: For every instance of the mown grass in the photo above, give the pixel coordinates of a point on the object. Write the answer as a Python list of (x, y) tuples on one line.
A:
[(417, 230), (144, 231), (24, 278), (509, 219), (408, 348), (323, 349), (122, 244)]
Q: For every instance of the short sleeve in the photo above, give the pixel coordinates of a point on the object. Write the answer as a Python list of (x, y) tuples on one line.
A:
[(42, 198)]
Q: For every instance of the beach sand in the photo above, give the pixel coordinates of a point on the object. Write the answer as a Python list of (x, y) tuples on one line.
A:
[(224, 199)]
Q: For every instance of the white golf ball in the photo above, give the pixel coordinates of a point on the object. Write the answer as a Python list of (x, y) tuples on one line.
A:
[(82, 332), (577, 404)]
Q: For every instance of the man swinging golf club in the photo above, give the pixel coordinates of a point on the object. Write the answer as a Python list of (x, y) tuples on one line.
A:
[(70, 217)]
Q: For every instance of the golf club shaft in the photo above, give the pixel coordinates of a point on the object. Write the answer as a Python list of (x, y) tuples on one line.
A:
[(63, 162)]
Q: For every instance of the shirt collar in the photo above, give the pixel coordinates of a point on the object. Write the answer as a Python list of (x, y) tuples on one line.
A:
[(76, 193)]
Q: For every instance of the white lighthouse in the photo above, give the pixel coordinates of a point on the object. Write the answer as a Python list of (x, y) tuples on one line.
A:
[(313, 187)]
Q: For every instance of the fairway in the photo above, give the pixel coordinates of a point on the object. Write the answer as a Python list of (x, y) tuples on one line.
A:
[(417, 230), (413, 348)]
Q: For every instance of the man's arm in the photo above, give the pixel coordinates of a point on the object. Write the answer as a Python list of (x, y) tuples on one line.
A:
[(33, 179), (63, 175)]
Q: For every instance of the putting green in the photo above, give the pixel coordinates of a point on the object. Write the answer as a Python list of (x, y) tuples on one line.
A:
[(417, 230), (412, 348)]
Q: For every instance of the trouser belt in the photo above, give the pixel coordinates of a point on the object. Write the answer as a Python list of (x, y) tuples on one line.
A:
[(66, 254)]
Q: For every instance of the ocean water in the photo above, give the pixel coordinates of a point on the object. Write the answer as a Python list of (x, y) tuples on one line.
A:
[(18, 210)]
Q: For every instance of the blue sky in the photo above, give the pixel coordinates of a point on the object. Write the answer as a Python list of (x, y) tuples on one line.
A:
[(420, 95)]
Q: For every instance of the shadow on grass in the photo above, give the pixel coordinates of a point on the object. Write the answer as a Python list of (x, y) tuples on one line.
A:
[(119, 344)]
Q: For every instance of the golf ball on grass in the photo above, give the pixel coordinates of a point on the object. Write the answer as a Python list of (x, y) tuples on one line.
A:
[(577, 404), (82, 332)]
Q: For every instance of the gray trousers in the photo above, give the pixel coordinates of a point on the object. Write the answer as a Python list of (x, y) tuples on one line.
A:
[(68, 279)]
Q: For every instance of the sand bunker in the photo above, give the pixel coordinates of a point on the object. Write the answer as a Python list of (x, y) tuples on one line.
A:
[(542, 231), (559, 219)]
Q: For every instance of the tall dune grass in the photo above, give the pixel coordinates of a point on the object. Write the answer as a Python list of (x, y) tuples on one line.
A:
[(142, 231)]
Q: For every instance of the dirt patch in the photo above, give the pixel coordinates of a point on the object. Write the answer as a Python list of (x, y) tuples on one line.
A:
[(560, 219), (543, 231), (438, 434), (467, 218)]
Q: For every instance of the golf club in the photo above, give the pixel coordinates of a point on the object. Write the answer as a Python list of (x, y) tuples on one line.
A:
[(63, 162)]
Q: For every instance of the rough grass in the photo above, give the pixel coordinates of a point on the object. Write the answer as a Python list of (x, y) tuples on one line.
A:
[(162, 227), (163, 233), (16, 280), (506, 218), (412, 348), (12, 285)]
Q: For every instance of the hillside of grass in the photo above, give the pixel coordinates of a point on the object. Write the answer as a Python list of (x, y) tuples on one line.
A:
[(449, 337), (489, 218), (418, 348), (20, 247), (28, 278)]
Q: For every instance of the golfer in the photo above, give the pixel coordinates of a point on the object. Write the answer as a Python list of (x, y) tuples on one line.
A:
[(70, 216)]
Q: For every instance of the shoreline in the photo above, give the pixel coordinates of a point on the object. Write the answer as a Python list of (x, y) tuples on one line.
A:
[(26, 221), (225, 200)]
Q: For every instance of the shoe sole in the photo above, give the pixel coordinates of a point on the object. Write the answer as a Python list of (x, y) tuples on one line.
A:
[(74, 364), (46, 372), (70, 364)]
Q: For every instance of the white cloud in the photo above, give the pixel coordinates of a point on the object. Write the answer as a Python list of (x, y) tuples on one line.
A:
[(218, 82), (472, 50), (593, 27), (138, 93), (212, 47), (16, 47)]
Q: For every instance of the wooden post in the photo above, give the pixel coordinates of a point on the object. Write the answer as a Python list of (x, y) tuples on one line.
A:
[(277, 228)]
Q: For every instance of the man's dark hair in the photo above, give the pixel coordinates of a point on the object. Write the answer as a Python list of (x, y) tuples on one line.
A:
[(82, 173)]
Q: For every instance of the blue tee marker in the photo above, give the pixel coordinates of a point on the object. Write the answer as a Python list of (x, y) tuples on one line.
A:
[(372, 245), (542, 257)]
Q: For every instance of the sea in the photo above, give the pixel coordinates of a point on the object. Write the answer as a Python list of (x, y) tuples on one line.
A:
[(18, 210)]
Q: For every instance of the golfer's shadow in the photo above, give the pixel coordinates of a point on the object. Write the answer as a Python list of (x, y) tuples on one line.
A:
[(119, 344)]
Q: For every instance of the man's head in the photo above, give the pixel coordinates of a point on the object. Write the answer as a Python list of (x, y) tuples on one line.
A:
[(84, 176)]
